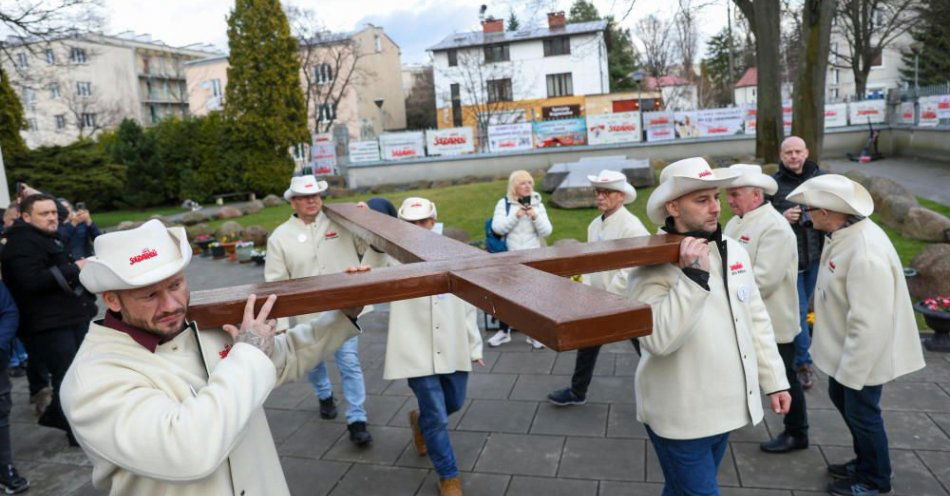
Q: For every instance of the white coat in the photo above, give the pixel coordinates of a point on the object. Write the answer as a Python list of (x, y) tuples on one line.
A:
[(521, 233), (189, 418), (865, 332), (768, 238), (710, 351), (618, 225)]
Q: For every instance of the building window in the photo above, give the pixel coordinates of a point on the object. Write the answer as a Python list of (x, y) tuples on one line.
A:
[(60, 121), (84, 88), (153, 113), (299, 152), (54, 91), (216, 88), (499, 90), (323, 73), (560, 85), (456, 105), (50, 56), (834, 93), (496, 53), (835, 74), (32, 125), (453, 58), (378, 40), (326, 112), (878, 60), (557, 46), (22, 60), (77, 55), (87, 120)]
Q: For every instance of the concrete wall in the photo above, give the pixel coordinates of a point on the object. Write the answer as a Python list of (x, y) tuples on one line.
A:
[(929, 143), (837, 143)]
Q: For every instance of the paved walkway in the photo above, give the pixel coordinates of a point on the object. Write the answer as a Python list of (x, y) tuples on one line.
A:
[(926, 178), (509, 441)]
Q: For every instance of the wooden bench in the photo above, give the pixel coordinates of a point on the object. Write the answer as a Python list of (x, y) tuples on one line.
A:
[(219, 199)]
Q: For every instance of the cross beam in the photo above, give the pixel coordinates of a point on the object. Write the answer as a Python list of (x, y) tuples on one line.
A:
[(521, 288)]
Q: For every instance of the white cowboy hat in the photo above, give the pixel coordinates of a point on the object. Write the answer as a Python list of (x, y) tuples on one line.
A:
[(683, 177), (834, 192), (136, 258), (303, 186), (751, 175), (414, 208), (617, 181)]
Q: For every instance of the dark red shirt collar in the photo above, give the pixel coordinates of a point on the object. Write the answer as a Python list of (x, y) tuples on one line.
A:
[(148, 340)]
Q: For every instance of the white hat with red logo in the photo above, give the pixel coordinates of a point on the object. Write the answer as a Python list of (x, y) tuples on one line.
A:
[(136, 258), (613, 180), (304, 186), (751, 175), (683, 177), (414, 208), (834, 192)]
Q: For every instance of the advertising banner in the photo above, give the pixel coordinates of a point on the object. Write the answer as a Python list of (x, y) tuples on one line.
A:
[(685, 124), (621, 127), (787, 117), (750, 117), (720, 122), (451, 141), (564, 132), (860, 113), (658, 125), (323, 155), (560, 112), (836, 114), (943, 106), (364, 151), (906, 113), (509, 137), (929, 111), (402, 146)]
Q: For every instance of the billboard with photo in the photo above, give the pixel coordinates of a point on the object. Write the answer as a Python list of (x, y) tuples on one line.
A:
[(906, 113), (564, 132), (450, 141), (658, 125), (620, 127), (402, 146), (685, 124), (510, 137), (720, 122)]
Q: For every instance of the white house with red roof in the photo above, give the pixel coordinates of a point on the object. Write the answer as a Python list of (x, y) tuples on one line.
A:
[(677, 92)]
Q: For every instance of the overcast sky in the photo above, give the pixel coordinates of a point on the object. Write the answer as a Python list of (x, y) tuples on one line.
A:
[(413, 24)]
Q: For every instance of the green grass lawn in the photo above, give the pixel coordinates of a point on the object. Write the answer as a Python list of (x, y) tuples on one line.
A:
[(109, 219)]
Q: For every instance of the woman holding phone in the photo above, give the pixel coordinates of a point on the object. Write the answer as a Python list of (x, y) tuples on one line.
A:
[(521, 219)]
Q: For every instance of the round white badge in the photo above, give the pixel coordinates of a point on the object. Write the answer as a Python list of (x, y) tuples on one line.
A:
[(743, 293), (302, 238)]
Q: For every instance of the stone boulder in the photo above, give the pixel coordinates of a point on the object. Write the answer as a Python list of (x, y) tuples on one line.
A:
[(273, 201), (933, 272), (882, 188), (201, 229), (926, 225), (456, 234), (192, 218), (257, 234), (253, 207), (230, 229), (858, 177), (164, 220), (576, 197), (128, 224), (228, 213), (893, 209)]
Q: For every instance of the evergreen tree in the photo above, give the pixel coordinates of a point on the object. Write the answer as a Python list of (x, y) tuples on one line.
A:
[(933, 32), (264, 101), (622, 56), (11, 121), (144, 181), (513, 23), (716, 65)]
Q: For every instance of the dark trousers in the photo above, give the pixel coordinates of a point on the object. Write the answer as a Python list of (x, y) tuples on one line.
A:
[(58, 347), (796, 420), (36, 372), (6, 451), (584, 368), (690, 466), (861, 410)]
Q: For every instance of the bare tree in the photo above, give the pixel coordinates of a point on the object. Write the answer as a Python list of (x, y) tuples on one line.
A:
[(90, 112), (420, 104), (764, 17), (658, 44), (28, 24), (808, 110), (868, 26), (687, 35)]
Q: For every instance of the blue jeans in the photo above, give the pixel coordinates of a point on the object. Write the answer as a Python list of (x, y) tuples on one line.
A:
[(690, 465), (439, 396), (354, 389), (806, 287), (17, 354), (861, 410)]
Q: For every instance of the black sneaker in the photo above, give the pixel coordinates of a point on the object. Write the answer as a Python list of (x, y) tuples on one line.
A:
[(566, 397), (854, 487), (327, 408), (11, 482), (358, 433), (843, 470)]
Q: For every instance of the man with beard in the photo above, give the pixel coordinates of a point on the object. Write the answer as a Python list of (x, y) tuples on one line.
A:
[(163, 409), (792, 172), (712, 346)]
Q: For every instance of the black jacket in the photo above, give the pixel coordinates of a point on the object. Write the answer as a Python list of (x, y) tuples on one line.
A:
[(810, 241), (29, 265)]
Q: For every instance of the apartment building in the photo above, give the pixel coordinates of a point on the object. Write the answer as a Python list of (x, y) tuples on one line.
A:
[(79, 85), (495, 76)]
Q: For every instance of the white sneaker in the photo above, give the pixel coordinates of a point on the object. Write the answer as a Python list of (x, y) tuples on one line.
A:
[(500, 338), (535, 343)]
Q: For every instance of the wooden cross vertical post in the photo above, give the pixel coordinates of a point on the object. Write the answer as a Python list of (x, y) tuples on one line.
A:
[(526, 288)]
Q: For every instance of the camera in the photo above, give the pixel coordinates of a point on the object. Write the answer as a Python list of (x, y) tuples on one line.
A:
[(525, 201), (80, 205)]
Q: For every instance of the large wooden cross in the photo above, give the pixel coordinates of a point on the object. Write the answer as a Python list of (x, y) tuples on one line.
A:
[(524, 288)]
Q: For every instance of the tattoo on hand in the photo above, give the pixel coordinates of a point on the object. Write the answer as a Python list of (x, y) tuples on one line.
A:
[(264, 343)]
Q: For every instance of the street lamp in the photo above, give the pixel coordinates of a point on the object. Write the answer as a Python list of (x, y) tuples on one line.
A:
[(379, 105), (916, 47), (637, 77)]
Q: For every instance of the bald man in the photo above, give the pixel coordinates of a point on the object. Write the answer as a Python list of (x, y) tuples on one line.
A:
[(795, 169)]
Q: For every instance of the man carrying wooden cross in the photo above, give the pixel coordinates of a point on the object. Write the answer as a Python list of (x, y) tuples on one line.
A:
[(712, 346), (163, 409)]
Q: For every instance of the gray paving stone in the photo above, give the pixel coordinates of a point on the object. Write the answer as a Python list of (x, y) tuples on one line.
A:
[(398, 388), (521, 455), (283, 423), (388, 443), (45, 445), (753, 433), (473, 484), (727, 475), (86, 490), (614, 488), (611, 390), (564, 365), (915, 396), (911, 475), (626, 365), (804, 469), (603, 459), (537, 362), (378, 480), (380, 409), (489, 356), (466, 446), (622, 422), (914, 430), (825, 427), (490, 386), (289, 395), (533, 486), (743, 491), (498, 416), (939, 464), (55, 478), (312, 439), (586, 420), (312, 477), (535, 387)]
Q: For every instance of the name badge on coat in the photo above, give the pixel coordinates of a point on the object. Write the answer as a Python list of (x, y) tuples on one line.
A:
[(743, 293), (302, 238)]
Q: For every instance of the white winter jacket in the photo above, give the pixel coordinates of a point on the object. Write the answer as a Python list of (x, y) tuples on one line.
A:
[(521, 233), (620, 224)]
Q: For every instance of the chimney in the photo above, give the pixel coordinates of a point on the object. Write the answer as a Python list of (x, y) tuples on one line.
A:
[(492, 25), (556, 20)]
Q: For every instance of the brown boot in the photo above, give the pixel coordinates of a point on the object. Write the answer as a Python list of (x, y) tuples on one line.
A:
[(450, 487), (417, 440)]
